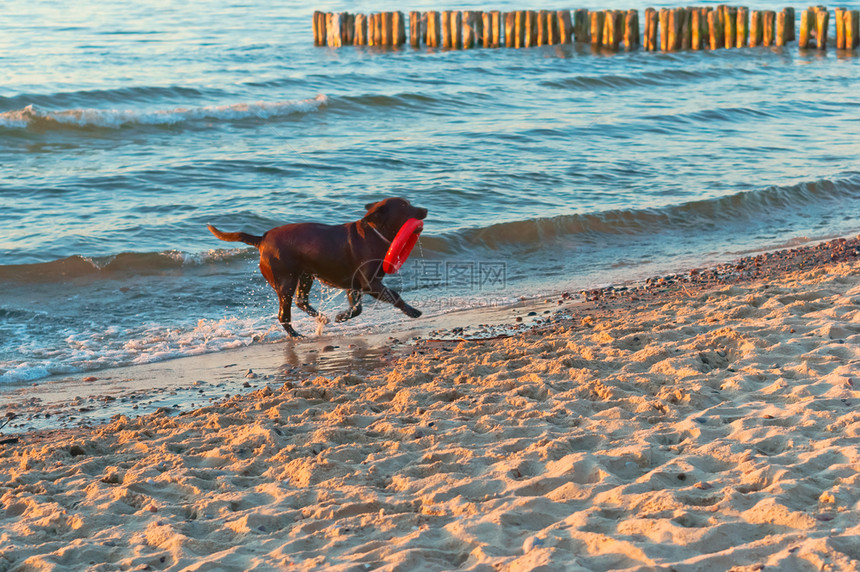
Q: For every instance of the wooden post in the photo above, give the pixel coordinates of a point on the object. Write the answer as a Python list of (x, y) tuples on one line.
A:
[(373, 30), (637, 29), (676, 19), (344, 29), (371, 24), (385, 35), (497, 28), (358, 33), (389, 27), (715, 31), (743, 26), (540, 36), (768, 21), (398, 28), (581, 25), (470, 30), (790, 22), (607, 28), (434, 30), (597, 28), (731, 27), (360, 36), (414, 29), (686, 28), (319, 28), (852, 29), (510, 29), (650, 37), (456, 30), (805, 27), (631, 30), (696, 35), (381, 36), (614, 29), (333, 24), (664, 29), (706, 32), (565, 29), (530, 39), (346, 32), (781, 35), (378, 31), (487, 36), (446, 29), (755, 29), (520, 29), (349, 38), (552, 28), (840, 27), (822, 19)]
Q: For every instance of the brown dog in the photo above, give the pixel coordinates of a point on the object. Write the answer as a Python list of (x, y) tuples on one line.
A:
[(347, 256)]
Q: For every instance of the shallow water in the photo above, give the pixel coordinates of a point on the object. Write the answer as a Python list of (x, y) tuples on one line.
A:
[(125, 129)]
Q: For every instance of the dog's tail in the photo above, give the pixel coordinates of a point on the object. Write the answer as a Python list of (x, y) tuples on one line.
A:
[(236, 236)]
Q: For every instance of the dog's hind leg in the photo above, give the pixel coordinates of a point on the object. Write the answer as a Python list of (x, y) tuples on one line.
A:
[(285, 291), (303, 290), (385, 294), (354, 297)]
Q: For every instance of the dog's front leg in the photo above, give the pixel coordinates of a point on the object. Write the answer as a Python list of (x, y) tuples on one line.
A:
[(385, 294), (354, 297)]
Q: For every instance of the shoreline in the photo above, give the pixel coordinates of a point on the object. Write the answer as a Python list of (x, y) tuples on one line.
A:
[(179, 384), (703, 421)]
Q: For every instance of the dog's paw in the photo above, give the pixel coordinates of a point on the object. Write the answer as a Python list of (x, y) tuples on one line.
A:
[(412, 312), (291, 332), (348, 314)]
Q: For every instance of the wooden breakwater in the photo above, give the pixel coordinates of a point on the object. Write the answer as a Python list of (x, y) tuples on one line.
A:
[(664, 29)]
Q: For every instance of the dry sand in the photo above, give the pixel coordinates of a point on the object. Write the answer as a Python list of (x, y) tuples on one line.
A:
[(707, 421)]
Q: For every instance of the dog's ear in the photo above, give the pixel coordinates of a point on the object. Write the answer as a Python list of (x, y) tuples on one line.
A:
[(369, 206), (376, 210)]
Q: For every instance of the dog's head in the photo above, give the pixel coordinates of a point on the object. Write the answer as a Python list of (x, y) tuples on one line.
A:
[(388, 215)]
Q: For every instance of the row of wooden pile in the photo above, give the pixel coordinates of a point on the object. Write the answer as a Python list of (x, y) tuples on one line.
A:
[(666, 29)]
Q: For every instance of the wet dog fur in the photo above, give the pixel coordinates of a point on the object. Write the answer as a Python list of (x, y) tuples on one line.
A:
[(347, 256)]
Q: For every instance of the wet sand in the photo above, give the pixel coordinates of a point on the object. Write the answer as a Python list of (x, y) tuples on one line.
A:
[(700, 421)]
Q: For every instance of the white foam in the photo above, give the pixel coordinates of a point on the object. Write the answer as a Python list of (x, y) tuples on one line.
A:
[(115, 118), (24, 372), (77, 352), (115, 347)]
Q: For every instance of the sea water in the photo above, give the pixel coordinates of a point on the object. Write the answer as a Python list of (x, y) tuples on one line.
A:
[(127, 127)]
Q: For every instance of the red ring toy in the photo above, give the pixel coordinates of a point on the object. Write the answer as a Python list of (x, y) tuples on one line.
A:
[(402, 245)]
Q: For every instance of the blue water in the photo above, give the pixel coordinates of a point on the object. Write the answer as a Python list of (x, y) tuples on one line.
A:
[(126, 127)]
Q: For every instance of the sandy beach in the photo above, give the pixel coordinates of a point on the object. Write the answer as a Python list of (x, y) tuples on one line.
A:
[(703, 421)]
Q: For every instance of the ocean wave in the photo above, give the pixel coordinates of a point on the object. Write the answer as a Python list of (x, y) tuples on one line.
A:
[(691, 217), (145, 94), (408, 101), (30, 117), (126, 263)]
